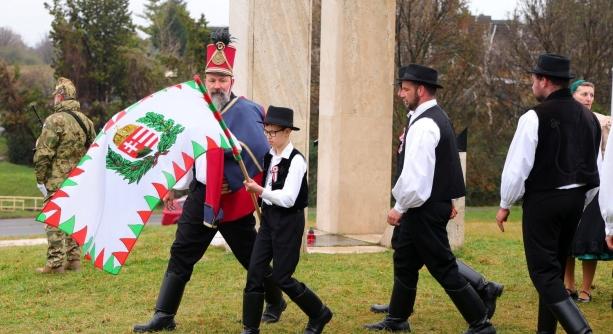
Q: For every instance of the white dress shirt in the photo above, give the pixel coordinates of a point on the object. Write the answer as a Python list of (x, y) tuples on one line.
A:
[(605, 197), (520, 160), (414, 186), (285, 197)]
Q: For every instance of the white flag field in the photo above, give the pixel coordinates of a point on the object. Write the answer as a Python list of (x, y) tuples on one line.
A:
[(140, 153)]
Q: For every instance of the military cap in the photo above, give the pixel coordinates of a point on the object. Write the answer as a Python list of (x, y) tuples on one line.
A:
[(66, 88)]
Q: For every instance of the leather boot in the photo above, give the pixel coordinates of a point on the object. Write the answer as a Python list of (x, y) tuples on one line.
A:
[(275, 304), (400, 308), (379, 308), (470, 305), (546, 323), (167, 305), (570, 317), (74, 265), (50, 270), (318, 313), (488, 291), (253, 303)]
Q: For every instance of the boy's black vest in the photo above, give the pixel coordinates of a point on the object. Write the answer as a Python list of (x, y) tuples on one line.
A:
[(448, 180), (568, 143), (302, 201)]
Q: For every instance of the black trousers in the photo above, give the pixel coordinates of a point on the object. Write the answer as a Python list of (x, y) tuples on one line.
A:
[(193, 238), (279, 239), (421, 239), (549, 222)]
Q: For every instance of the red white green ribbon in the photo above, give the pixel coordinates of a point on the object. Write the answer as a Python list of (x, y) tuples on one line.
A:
[(218, 117)]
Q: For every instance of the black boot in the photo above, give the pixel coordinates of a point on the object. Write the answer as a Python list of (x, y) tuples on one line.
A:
[(570, 317), (470, 305), (253, 303), (400, 308), (488, 291), (166, 307), (547, 323), (318, 313), (275, 304), (379, 308)]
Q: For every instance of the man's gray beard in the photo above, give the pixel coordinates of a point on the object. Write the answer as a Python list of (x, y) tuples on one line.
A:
[(220, 99)]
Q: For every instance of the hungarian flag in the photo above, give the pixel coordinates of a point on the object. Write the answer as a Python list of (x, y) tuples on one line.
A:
[(140, 154)]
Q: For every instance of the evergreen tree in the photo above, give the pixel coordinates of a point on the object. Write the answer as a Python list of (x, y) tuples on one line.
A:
[(178, 40)]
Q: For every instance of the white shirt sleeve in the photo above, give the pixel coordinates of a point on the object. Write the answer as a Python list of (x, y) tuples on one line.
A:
[(414, 185), (286, 197), (605, 197), (520, 159)]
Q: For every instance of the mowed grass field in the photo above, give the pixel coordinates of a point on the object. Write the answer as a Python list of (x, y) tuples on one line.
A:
[(95, 302)]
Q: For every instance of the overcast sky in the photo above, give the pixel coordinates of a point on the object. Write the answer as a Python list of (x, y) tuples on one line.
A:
[(30, 19)]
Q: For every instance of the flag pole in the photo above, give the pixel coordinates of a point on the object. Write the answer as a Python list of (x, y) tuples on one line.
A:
[(224, 127)]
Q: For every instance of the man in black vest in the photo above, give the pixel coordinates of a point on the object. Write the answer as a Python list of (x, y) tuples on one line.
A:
[(430, 179), (552, 163)]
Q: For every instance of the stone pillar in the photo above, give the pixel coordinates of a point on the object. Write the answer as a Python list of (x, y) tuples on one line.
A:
[(355, 115), (455, 227), (273, 59), (241, 28)]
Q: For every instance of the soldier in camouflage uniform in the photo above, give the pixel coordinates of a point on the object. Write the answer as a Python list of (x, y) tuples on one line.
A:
[(62, 143)]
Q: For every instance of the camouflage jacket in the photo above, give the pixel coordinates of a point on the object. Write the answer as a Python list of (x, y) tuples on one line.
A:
[(61, 144)]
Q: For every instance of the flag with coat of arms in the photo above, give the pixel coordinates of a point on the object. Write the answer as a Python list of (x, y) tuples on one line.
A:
[(141, 153)]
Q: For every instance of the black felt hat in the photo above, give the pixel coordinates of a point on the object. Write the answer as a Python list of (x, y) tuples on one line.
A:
[(553, 65), (420, 74), (280, 116)]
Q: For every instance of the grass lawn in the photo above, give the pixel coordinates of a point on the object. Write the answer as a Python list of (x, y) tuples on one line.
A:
[(17, 180), (95, 302)]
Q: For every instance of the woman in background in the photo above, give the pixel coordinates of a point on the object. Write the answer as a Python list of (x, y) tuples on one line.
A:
[(589, 244)]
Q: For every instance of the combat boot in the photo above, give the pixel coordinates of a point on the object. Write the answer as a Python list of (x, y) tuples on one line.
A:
[(166, 307), (50, 270), (74, 265)]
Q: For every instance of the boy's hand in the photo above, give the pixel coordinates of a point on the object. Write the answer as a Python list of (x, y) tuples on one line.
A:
[(253, 187)]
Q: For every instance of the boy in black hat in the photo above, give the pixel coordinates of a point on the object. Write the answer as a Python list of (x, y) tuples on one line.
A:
[(552, 164), (430, 178), (284, 197)]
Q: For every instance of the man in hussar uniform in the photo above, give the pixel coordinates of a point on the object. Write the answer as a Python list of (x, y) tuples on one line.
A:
[(236, 220), (65, 137)]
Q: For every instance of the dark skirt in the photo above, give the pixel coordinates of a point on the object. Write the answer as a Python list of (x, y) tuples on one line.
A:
[(589, 242)]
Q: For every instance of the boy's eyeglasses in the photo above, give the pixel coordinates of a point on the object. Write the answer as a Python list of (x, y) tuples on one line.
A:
[(272, 133)]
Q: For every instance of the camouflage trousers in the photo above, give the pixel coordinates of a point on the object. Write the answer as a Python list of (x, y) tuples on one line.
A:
[(61, 247)]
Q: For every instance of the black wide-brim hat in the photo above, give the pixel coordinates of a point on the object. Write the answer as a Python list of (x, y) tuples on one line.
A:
[(280, 116), (420, 74), (553, 65)]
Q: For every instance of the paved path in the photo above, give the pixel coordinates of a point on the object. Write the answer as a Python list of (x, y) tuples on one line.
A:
[(29, 229), (25, 227)]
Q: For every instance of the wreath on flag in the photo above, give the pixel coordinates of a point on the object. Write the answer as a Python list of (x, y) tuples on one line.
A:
[(133, 171)]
